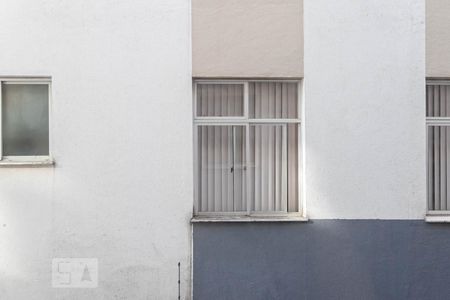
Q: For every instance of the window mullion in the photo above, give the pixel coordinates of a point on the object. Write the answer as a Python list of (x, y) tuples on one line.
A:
[(247, 146), (196, 171), (284, 173), (246, 102), (1, 121), (233, 167), (247, 167)]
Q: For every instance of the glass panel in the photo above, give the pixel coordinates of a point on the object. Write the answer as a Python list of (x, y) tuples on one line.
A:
[(292, 167), (221, 168), (220, 100), (438, 101), (268, 168), (268, 100), (25, 126), (438, 170), (273, 167)]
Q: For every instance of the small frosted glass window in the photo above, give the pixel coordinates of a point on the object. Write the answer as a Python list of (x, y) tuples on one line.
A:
[(25, 119)]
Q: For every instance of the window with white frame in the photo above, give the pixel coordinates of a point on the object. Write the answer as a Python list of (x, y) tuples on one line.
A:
[(25, 106), (247, 152), (438, 146)]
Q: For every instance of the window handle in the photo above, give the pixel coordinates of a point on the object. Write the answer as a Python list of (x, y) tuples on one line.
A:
[(232, 168)]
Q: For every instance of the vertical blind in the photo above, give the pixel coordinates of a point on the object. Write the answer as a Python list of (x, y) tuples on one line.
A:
[(266, 181), (268, 172), (438, 150), (221, 163), (273, 100), (220, 100)]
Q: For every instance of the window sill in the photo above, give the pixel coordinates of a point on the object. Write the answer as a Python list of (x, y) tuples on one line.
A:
[(246, 219), (5, 163), (437, 218)]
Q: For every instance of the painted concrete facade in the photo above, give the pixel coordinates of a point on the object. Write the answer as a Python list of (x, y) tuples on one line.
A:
[(438, 39), (365, 109), (323, 259), (121, 188), (364, 93), (246, 38), (364, 117)]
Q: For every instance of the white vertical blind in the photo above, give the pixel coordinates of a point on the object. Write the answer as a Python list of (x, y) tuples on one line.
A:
[(239, 168), (221, 158), (268, 168), (267, 180), (220, 100), (273, 100), (438, 168), (292, 167)]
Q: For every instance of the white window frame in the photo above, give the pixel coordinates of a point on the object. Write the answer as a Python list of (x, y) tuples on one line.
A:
[(245, 121), (27, 160)]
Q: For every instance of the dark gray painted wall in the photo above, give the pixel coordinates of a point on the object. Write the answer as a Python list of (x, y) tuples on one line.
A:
[(326, 259)]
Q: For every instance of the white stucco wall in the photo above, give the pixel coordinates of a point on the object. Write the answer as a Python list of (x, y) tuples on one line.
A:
[(365, 111), (121, 190)]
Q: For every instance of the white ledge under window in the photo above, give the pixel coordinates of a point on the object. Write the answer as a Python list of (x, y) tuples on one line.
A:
[(252, 218), (438, 216), (27, 161)]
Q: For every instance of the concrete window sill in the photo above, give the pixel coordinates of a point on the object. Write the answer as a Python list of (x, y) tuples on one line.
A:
[(437, 218), (236, 219), (36, 164)]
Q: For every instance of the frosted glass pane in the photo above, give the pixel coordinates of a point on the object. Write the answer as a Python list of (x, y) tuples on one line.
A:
[(25, 119)]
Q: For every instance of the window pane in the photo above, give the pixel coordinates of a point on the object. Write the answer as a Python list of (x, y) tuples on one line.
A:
[(269, 100), (25, 127), (273, 168), (220, 100), (292, 166), (438, 167), (438, 101), (221, 168)]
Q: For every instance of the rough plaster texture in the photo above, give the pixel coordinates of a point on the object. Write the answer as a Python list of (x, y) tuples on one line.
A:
[(325, 259), (364, 109), (438, 38), (122, 141), (247, 38)]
